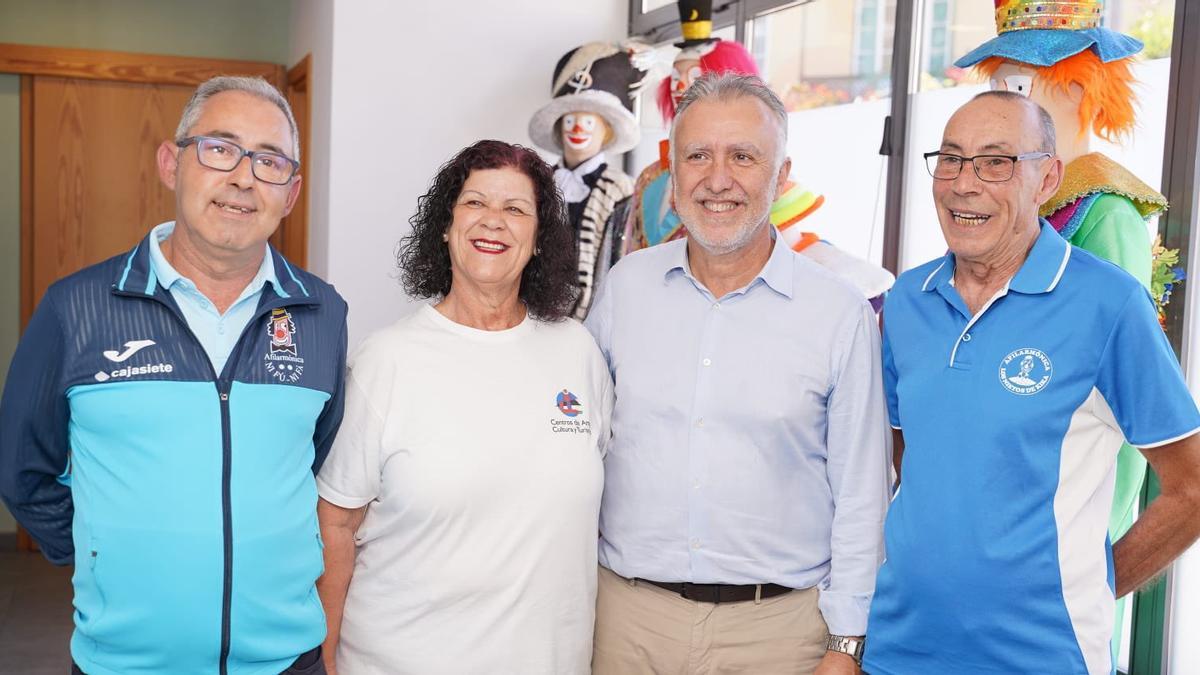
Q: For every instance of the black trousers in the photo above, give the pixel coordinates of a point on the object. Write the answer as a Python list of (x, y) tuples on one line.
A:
[(308, 663)]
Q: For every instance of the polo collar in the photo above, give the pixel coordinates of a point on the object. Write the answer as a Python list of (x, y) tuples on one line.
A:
[(141, 272), (1040, 273), (777, 273)]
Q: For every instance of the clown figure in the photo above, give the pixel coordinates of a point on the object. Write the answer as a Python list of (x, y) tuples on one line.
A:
[(589, 119)]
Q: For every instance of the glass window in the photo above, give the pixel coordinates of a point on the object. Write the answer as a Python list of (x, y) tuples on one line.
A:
[(831, 64), (651, 5)]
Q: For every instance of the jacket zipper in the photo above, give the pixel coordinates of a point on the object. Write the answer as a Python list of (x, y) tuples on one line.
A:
[(223, 385)]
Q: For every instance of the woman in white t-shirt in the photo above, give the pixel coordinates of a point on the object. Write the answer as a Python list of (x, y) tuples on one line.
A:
[(460, 501)]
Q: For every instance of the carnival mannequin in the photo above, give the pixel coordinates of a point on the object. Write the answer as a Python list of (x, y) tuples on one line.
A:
[(651, 219), (589, 119), (1058, 54)]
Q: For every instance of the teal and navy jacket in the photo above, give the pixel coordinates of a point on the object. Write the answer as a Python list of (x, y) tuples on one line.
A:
[(186, 498)]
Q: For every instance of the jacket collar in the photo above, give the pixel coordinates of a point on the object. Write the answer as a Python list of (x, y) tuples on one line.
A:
[(137, 275)]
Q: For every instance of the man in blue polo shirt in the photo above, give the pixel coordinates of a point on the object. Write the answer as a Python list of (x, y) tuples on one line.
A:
[(1014, 367)]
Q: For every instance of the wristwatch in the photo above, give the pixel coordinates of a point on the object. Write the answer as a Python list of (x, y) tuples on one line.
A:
[(850, 646)]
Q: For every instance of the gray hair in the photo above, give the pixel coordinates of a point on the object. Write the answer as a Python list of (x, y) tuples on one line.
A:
[(255, 86), (1048, 140), (729, 86)]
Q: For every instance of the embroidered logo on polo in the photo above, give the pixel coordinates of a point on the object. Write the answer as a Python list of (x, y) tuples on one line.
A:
[(570, 407), (282, 360), (131, 347), (1026, 371)]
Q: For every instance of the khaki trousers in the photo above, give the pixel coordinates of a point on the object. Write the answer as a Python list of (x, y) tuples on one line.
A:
[(641, 628)]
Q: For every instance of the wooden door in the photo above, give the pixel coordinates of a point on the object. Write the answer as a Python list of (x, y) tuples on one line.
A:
[(95, 187)]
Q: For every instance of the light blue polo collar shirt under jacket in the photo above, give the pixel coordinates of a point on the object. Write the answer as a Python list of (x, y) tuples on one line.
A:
[(749, 435), (998, 559), (218, 333)]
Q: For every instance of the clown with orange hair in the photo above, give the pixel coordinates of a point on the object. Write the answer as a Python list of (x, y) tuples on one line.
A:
[(650, 218), (1060, 55)]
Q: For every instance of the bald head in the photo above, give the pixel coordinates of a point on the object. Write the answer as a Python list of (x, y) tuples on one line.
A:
[(1040, 121)]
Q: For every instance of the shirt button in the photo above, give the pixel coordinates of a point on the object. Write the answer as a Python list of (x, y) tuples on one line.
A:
[(696, 483), (707, 362), (966, 337), (716, 305), (700, 422), (220, 329), (695, 543)]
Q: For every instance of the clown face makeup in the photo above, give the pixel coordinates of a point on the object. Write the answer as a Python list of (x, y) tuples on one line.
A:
[(684, 72), (583, 135)]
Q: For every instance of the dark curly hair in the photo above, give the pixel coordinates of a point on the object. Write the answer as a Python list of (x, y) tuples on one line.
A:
[(549, 280)]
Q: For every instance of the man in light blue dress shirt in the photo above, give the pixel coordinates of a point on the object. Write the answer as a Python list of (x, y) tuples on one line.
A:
[(747, 480)]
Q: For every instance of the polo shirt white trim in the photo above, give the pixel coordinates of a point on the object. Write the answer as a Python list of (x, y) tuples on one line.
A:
[(1061, 268), (998, 559), (1169, 441)]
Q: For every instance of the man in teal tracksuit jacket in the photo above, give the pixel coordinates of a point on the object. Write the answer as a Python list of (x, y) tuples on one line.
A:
[(166, 411)]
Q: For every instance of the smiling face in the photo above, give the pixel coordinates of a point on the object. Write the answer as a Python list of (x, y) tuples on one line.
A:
[(726, 171), (229, 212), (583, 135), (991, 223), (493, 231)]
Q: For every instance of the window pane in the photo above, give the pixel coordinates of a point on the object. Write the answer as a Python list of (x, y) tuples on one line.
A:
[(651, 5), (831, 64)]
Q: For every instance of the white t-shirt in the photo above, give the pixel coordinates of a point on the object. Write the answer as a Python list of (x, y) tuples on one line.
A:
[(479, 455)]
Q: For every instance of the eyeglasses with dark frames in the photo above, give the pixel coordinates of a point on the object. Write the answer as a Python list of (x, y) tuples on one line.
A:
[(225, 155), (989, 168)]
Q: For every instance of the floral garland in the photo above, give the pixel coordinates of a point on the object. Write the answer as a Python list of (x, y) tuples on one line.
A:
[(1164, 274)]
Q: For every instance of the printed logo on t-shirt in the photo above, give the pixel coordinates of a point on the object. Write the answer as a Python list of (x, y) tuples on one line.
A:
[(1025, 371), (571, 408), (282, 360), (568, 404)]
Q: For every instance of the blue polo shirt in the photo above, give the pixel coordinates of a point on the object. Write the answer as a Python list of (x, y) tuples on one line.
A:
[(998, 559)]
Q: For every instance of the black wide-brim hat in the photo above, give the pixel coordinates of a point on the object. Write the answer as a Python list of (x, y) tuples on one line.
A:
[(598, 78)]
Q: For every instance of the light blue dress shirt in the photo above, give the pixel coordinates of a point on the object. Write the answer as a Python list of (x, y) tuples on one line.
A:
[(750, 441), (218, 333)]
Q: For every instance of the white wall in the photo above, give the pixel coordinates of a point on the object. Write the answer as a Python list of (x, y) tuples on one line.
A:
[(413, 83), (311, 32)]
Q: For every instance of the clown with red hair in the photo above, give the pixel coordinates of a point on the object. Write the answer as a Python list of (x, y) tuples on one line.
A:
[(652, 220), (1060, 55)]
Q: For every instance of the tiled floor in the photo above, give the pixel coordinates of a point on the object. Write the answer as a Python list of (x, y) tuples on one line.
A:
[(35, 614)]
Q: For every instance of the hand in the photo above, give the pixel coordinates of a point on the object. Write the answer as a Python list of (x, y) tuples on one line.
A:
[(837, 663)]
